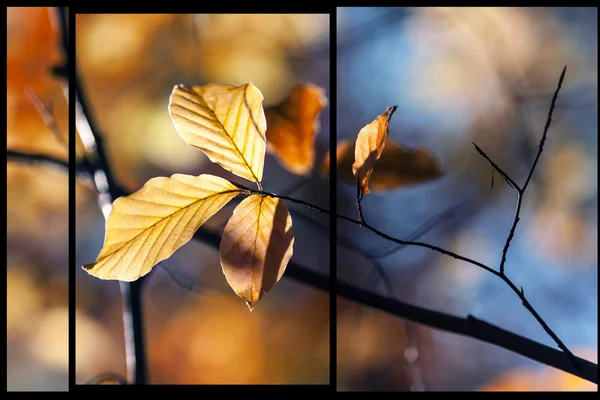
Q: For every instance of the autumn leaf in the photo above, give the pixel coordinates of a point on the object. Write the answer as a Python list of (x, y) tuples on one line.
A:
[(149, 225), (292, 125), (369, 145), (396, 168), (226, 122), (256, 246)]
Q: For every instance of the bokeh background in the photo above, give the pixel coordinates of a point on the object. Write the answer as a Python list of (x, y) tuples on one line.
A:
[(37, 208), (462, 75), (197, 329)]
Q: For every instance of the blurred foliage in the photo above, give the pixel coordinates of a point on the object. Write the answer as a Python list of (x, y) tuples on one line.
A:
[(37, 209), (483, 75), (129, 65)]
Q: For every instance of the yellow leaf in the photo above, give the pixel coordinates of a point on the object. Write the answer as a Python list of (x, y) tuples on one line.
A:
[(396, 168), (226, 122), (149, 225), (369, 145), (256, 246), (291, 127)]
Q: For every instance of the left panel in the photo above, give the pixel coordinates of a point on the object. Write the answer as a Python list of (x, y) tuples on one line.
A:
[(37, 201)]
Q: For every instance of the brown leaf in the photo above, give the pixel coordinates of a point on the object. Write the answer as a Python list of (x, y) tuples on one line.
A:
[(256, 246), (369, 145), (396, 168), (292, 125)]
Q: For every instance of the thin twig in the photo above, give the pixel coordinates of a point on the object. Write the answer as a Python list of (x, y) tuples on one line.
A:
[(508, 180), (359, 197), (46, 115), (548, 121), (520, 194), (418, 244)]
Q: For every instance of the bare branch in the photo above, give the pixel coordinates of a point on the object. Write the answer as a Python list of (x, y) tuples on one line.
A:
[(510, 182), (474, 328), (35, 158), (548, 121), (46, 115)]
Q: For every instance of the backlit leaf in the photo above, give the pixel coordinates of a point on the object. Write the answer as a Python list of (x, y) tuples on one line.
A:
[(226, 122), (396, 168), (292, 125), (256, 246), (369, 145), (149, 225)]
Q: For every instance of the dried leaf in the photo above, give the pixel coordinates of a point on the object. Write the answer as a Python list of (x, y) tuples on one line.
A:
[(226, 122), (256, 246), (292, 125), (396, 168), (149, 225), (369, 145)]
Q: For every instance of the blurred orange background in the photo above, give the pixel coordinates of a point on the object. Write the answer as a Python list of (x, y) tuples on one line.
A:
[(37, 208), (128, 66)]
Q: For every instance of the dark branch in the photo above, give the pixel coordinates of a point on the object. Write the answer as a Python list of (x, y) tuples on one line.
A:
[(34, 158), (419, 244), (548, 121), (359, 197), (520, 194), (510, 182), (474, 328), (521, 191)]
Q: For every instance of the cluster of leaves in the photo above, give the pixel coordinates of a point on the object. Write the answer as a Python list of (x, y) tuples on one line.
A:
[(396, 168), (229, 125)]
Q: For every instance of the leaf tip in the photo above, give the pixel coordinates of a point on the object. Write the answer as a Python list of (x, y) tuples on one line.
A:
[(250, 305), (87, 267), (254, 87)]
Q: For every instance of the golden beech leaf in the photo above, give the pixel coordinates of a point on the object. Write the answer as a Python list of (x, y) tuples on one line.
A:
[(369, 145), (256, 246), (292, 125), (226, 122), (396, 168), (148, 226)]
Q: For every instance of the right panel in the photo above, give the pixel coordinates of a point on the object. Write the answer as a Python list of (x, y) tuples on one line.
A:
[(466, 163)]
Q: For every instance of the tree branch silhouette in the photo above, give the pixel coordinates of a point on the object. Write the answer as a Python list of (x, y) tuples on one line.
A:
[(475, 328), (36, 158)]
